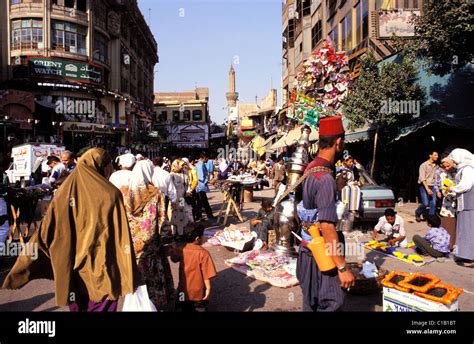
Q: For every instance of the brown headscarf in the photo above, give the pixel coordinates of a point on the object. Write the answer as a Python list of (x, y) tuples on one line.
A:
[(84, 241)]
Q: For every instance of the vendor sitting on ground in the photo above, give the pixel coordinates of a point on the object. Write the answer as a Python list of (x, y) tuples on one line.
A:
[(436, 241), (263, 222), (391, 225)]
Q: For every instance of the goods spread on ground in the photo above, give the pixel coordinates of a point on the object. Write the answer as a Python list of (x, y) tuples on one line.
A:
[(271, 267)]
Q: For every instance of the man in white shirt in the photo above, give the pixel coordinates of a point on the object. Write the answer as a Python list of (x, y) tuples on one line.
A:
[(392, 226), (162, 180), (121, 178), (58, 170)]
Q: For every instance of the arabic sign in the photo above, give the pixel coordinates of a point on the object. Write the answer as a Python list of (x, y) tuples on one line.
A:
[(397, 22), (45, 66), (87, 127), (308, 111)]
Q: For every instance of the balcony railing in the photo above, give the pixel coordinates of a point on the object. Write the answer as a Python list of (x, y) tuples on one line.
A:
[(27, 10), (65, 12)]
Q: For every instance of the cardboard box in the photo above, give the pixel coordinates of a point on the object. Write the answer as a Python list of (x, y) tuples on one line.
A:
[(397, 301)]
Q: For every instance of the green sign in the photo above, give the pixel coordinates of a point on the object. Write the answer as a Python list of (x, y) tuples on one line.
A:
[(56, 68)]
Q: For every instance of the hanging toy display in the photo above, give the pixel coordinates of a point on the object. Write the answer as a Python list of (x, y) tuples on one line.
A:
[(321, 86)]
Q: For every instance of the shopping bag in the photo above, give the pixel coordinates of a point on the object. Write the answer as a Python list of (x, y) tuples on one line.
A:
[(138, 301)]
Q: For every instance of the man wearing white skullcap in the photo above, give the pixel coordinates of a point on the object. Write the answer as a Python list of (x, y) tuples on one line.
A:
[(121, 178)]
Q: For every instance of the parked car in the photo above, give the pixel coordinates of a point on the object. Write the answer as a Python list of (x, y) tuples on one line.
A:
[(375, 198)]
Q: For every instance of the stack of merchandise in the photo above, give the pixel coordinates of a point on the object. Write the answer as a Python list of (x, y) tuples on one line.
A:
[(238, 238), (271, 267), (423, 291), (321, 86)]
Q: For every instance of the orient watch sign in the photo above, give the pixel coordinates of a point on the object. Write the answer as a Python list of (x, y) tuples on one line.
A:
[(56, 68)]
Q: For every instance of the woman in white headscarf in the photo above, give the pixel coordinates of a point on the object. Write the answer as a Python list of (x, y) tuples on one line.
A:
[(121, 178), (181, 214), (463, 162), (223, 169), (146, 215)]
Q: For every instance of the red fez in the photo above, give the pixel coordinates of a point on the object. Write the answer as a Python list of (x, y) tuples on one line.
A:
[(331, 126)]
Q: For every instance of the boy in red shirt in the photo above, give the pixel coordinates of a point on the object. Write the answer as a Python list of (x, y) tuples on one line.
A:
[(196, 269)]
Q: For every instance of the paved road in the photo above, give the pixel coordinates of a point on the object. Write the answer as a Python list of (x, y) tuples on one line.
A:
[(233, 291)]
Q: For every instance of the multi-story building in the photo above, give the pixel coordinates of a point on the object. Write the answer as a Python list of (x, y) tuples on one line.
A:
[(84, 67), (182, 119), (353, 26)]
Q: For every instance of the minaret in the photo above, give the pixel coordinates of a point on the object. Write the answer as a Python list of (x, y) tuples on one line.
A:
[(231, 96)]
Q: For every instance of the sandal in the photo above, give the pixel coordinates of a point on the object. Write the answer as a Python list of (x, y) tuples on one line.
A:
[(465, 264)]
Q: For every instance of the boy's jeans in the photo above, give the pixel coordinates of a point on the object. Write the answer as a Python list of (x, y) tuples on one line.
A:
[(426, 201)]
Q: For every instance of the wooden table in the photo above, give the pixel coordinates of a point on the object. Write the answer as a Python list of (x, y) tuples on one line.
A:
[(232, 190)]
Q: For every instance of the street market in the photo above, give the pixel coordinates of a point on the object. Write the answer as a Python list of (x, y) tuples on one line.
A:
[(138, 179)]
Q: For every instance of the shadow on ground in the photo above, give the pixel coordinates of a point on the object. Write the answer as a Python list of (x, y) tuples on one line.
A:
[(27, 305), (232, 293)]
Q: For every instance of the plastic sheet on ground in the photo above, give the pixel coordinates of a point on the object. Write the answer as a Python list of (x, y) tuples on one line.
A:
[(270, 267), (396, 253), (233, 237)]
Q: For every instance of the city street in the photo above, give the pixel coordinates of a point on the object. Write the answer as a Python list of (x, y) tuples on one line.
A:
[(235, 292)]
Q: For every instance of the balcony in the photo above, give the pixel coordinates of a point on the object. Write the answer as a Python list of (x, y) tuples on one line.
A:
[(27, 10), (60, 12)]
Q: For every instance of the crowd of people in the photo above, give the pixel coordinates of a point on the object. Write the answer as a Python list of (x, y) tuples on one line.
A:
[(108, 232), (105, 232), (449, 185)]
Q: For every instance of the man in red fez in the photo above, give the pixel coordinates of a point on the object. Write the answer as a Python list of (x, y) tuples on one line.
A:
[(324, 291)]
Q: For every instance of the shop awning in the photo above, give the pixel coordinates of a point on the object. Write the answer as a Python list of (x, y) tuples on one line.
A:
[(360, 134), (292, 137), (267, 141), (411, 129), (466, 123)]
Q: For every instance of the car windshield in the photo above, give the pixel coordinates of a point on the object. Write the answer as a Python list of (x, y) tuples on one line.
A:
[(365, 178)]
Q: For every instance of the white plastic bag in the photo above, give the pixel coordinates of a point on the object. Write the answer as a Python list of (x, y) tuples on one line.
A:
[(138, 301)]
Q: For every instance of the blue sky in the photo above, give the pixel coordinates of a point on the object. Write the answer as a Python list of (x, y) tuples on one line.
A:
[(198, 39)]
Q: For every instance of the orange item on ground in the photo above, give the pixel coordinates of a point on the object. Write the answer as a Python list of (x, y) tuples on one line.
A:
[(393, 279), (441, 292), (419, 282)]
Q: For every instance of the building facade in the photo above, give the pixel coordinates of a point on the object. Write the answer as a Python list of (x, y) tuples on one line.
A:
[(87, 66), (353, 25), (182, 119)]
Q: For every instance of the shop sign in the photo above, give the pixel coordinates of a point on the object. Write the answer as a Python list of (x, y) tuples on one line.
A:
[(86, 127), (45, 66), (397, 22)]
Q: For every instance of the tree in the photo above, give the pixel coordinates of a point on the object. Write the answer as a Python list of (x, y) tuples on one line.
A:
[(443, 39), (384, 94)]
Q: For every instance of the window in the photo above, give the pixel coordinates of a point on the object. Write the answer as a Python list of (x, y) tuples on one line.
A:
[(331, 8), (316, 34), (291, 33), (365, 18), (81, 5), (124, 85), (301, 47), (334, 35), (187, 115), (175, 116), (358, 21), (27, 34), (69, 37), (346, 27), (197, 115), (100, 48), (163, 116), (99, 14), (16, 2), (306, 8), (69, 3)]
